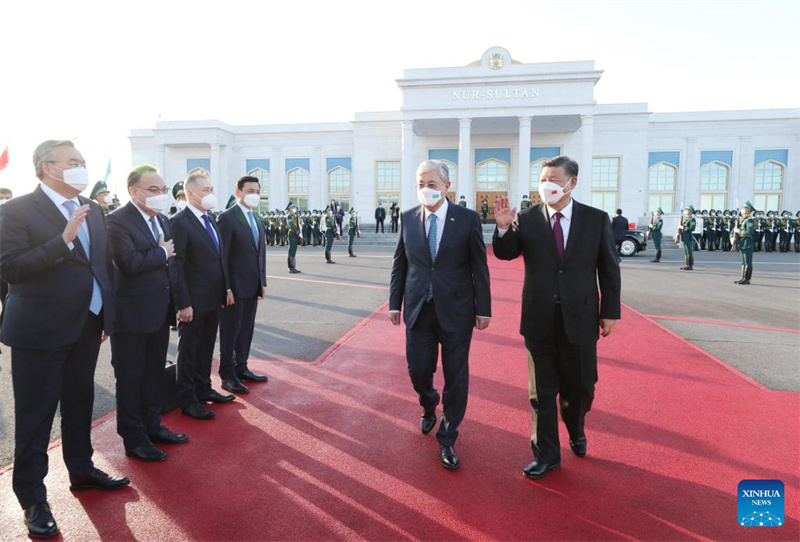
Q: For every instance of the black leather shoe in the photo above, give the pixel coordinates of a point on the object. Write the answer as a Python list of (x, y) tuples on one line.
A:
[(250, 376), (578, 446), (40, 521), (428, 420), (449, 457), (165, 436), (216, 397), (98, 480), (146, 452), (198, 412), (233, 385), (538, 469)]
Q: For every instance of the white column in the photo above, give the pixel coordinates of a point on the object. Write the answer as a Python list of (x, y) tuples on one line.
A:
[(742, 190), (466, 180), (279, 198), (690, 186), (584, 189), (407, 167), (522, 186), (317, 189), (215, 176), (791, 186), (161, 163)]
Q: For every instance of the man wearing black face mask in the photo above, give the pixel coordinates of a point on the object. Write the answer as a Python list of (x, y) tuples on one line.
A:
[(141, 243), (55, 255), (569, 250)]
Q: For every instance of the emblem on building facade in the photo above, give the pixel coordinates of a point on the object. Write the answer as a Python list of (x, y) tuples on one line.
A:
[(496, 61)]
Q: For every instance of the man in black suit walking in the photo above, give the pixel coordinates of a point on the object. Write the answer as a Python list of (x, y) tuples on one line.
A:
[(244, 260), (619, 225), (441, 280), (54, 254), (568, 249), (380, 216), (203, 289), (143, 250)]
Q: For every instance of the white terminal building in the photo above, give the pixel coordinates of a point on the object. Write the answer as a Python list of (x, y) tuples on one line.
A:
[(494, 122)]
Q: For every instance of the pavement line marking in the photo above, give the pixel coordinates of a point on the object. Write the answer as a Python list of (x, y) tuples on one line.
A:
[(718, 323), (336, 283), (722, 261)]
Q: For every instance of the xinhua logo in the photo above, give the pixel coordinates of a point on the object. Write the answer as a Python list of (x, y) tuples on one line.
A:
[(760, 503)]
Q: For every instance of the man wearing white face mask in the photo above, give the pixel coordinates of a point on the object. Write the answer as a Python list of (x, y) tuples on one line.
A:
[(569, 251), (440, 278), (144, 254), (55, 255), (203, 290), (102, 195), (244, 257)]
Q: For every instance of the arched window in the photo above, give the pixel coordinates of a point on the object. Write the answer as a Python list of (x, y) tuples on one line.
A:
[(605, 183), (387, 183), (199, 170), (452, 170), (263, 179), (298, 179), (662, 187), (492, 176), (714, 185), (536, 173), (768, 185), (339, 181)]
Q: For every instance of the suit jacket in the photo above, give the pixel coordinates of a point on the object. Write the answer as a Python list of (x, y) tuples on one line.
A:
[(380, 213), (144, 278), (244, 260), (589, 258), (619, 225), (202, 280), (460, 273), (50, 286)]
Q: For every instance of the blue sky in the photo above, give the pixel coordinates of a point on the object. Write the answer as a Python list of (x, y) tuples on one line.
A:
[(93, 70)]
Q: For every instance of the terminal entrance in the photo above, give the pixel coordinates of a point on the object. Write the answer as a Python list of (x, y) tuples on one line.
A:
[(490, 197)]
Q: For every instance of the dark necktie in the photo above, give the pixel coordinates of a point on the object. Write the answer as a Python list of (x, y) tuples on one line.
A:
[(154, 227), (558, 234), (210, 230)]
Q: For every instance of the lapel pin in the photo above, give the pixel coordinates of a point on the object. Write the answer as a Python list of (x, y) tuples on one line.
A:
[(452, 219)]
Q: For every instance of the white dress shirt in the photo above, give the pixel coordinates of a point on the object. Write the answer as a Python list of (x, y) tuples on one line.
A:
[(58, 200), (146, 218), (199, 214), (566, 220)]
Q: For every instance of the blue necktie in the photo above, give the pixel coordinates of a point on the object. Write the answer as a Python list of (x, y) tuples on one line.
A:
[(432, 248), (96, 304), (253, 227), (210, 230)]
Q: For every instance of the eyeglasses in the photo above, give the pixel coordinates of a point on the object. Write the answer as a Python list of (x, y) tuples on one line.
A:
[(71, 163), (155, 191)]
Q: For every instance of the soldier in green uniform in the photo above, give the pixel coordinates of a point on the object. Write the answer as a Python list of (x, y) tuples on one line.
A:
[(783, 231), (352, 229), (315, 228), (744, 239), (525, 203), (462, 202), (180, 198), (761, 224), (231, 202), (485, 209), (709, 227), (686, 235), (655, 233), (703, 217), (330, 232), (102, 195), (797, 232), (293, 232)]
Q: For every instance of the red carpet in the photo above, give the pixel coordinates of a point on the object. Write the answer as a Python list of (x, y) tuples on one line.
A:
[(331, 450)]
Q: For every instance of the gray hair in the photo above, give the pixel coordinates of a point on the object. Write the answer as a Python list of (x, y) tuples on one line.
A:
[(46, 151), (191, 180), (435, 165)]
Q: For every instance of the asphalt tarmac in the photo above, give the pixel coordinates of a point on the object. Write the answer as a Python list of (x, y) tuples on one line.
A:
[(304, 314)]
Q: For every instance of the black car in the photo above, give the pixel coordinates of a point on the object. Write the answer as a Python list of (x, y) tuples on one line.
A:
[(635, 241)]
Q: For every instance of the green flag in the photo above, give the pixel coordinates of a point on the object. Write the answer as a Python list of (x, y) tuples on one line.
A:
[(108, 171)]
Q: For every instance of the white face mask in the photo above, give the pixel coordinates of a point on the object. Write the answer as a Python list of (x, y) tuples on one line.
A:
[(551, 192), (252, 200), (180, 204), (209, 202), (429, 196), (2, 201), (77, 177), (157, 203), (108, 199), (686, 213)]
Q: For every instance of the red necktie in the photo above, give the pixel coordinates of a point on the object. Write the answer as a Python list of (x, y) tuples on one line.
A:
[(558, 234)]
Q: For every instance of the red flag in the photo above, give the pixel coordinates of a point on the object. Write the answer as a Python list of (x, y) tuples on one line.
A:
[(4, 158)]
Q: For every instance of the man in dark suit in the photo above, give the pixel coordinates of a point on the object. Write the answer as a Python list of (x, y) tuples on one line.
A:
[(55, 256), (380, 216), (203, 289), (244, 259), (619, 226), (143, 251), (568, 249), (441, 279)]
